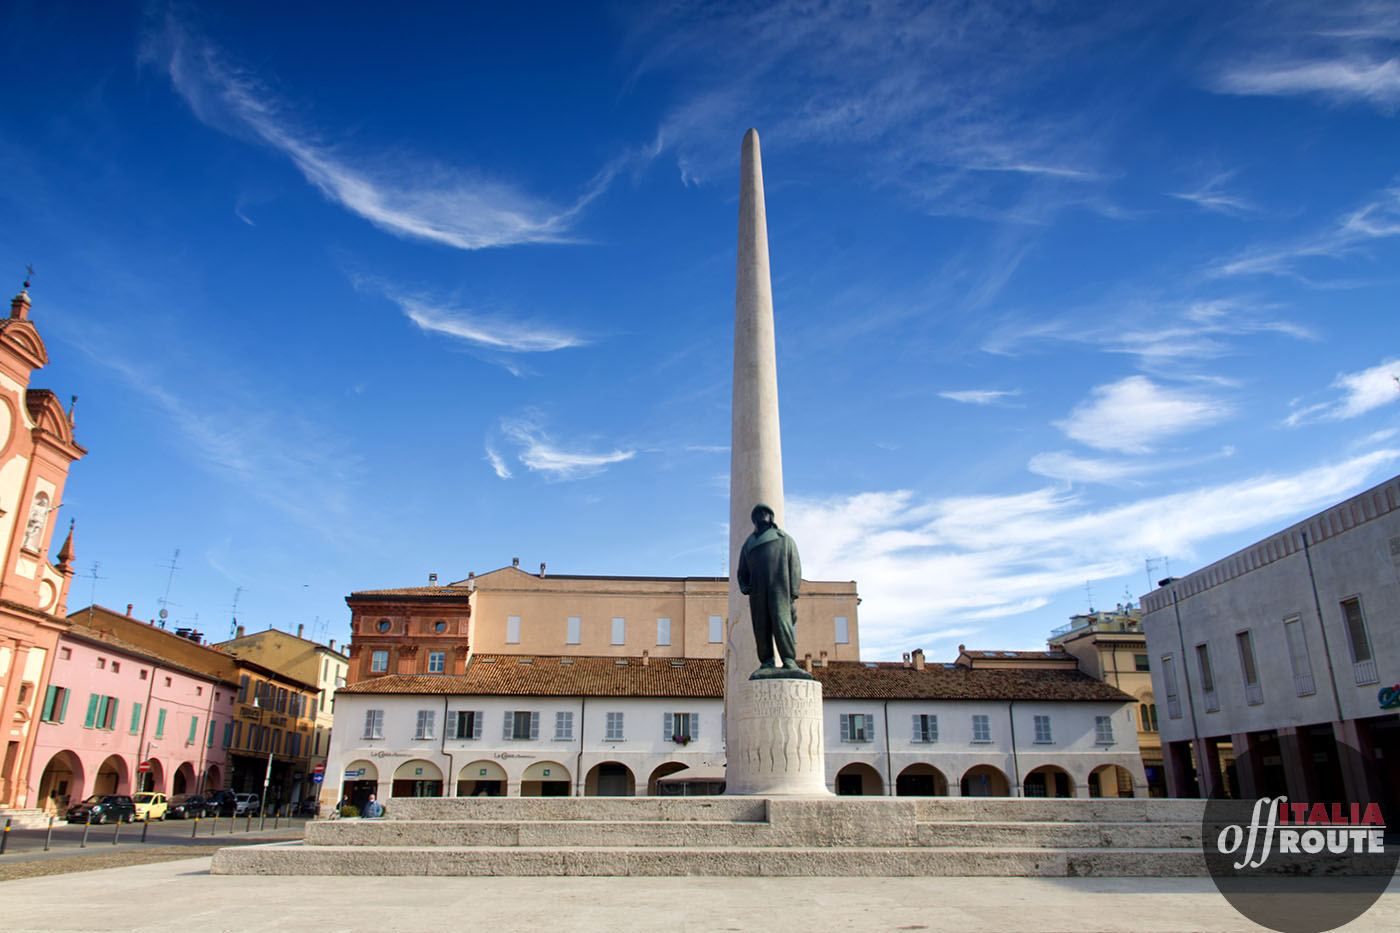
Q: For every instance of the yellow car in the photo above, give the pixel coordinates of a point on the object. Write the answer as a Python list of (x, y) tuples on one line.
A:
[(149, 806)]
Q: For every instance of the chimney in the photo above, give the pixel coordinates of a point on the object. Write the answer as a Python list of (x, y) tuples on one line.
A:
[(907, 662), (332, 644), (515, 562), (807, 662), (646, 658), (432, 579), (240, 631), (918, 654), (541, 569), (823, 659), (471, 574), (301, 627), (128, 610)]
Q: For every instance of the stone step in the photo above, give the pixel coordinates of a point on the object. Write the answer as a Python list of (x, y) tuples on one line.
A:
[(298, 859), (577, 808), (711, 834), (30, 818)]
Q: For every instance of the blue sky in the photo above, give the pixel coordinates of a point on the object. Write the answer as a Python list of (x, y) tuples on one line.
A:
[(351, 296)]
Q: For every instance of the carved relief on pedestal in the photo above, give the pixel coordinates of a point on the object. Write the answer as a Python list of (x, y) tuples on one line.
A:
[(778, 739)]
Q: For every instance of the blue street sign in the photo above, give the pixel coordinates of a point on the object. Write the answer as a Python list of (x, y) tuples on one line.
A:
[(316, 778)]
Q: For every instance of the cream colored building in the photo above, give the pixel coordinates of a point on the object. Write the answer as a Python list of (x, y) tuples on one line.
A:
[(435, 629)]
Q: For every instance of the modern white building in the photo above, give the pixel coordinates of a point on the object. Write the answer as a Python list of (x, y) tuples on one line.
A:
[(534, 725), (1288, 651)]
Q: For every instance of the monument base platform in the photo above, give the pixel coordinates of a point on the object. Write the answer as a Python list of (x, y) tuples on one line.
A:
[(776, 746), (746, 836)]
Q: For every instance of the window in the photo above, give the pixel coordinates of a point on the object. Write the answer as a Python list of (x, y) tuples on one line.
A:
[(1298, 656), (194, 730), (167, 680), (117, 666), (981, 728), (1253, 692), (243, 688), (55, 704), (613, 732), (383, 625), (1147, 715), (1207, 679), (1103, 730), (294, 744), (198, 691), (521, 725), (1173, 692), (1042, 730), (423, 728), (160, 724), (857, 727), (282, 694), (663, 632), (439, 627), (135, 718), (101, 664), (65, 654), (378, 662), (680, 728), (512, 630), (374, 724), (228, 734), (464, 724), (564, 726), (145, 673), (209, 734), (716, 629), (619, 631), (237, 734), (843, 630), (1363, 663), (1141, 663), (925, 728), (575, 632), (107, 713), (437, 662)]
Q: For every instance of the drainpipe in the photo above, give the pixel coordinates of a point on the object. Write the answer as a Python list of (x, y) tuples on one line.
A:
[(889, 766), (145, 716), (203, 743), (1322, 626), (1015, 760), (451, 762), (578, 766)]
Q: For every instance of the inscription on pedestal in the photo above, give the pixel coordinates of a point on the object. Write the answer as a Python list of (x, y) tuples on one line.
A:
[(778, 742)]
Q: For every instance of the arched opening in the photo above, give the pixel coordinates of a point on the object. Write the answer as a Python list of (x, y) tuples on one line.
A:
[(670, 767), (112, 777), (985, 781), (61, 783), (183, 781), (481, 779), (213, 779), (152, 780), (1048, 781), (921, 780), (859, 779), (361, 779), (610, 779), (1110, 781), (545, 779), (417, 778)]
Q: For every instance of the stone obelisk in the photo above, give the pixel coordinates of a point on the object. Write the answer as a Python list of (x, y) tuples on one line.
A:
[(773, 727)]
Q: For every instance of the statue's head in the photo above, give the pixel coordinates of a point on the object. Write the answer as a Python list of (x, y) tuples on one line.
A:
[(762, 516)]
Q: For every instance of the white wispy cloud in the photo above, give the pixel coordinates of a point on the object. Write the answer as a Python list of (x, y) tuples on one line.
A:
[(1063, 465), (1133, 413), (1212, 196), (497, 463), (1361, 392), (1377, 219), (1348, 79), (483, 330), (407, 197), (980, 396), (541, 453), (928, 566)]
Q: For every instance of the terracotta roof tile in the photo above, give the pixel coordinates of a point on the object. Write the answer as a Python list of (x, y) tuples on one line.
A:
[(843, 680), (531, 675)]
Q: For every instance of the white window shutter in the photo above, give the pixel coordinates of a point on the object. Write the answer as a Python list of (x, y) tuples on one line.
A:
[(933, 728), (694, 726), (369, 721), (845, 727), (535, 724), (431, 723), (477, 722), (668, 727), (918, 728), (452, 725), (509, 730)]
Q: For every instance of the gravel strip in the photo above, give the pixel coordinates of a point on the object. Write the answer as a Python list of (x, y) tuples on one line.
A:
[(98, 860)]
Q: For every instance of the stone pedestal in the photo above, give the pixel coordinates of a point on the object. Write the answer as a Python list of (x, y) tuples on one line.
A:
[(775, 745)]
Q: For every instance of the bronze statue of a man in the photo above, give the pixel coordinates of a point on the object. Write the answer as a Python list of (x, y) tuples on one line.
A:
[(770, 575)]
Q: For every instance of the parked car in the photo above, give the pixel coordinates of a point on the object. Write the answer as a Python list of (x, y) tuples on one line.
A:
[(309, 806), (150, 806), (103, 808), (247, 805), (188, 806), (221, 803)]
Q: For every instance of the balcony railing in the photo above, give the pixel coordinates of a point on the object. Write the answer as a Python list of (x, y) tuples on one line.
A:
[(1212, 701), (1303, 683), (1365, 671), (1253, 694)]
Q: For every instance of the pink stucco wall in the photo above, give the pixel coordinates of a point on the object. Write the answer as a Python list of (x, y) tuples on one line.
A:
[(79, 752)]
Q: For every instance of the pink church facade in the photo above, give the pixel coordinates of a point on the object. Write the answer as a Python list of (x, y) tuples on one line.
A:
[(110, 706)]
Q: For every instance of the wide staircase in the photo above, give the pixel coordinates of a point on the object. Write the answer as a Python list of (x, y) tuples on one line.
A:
[(745, 836), (30, 818)]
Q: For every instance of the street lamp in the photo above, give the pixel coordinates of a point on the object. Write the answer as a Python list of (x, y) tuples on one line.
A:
[(267, 775)]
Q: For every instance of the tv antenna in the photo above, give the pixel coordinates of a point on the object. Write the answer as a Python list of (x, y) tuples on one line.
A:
[(1151, 563), (164, 601), (233, 612), (1089, 594), (92, 599)]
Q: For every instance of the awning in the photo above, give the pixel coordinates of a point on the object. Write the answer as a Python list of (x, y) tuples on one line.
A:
[(696, 774)]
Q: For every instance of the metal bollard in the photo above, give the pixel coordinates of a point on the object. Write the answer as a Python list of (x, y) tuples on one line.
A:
[(276, 818), (145, 825), (5, 837), (195, 831), (116, 830), (87, 824), (248, 823), (49, 838)]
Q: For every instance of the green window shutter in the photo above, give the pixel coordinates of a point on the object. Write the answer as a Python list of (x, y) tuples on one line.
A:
[(102, 711), (194, 730), (228, 734), (160, 725), (49, 696), (111, 721), (92, 710), (135, 718), (209, 740), (63, 710)]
